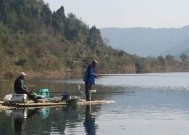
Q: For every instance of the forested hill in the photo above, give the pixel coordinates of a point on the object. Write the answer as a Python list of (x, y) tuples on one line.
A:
[(36, 40)]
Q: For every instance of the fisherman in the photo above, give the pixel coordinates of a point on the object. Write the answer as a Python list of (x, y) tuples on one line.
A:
[(20, 88), (89, 78)]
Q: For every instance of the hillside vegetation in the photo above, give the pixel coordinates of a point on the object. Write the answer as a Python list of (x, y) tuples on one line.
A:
[(41, 42)]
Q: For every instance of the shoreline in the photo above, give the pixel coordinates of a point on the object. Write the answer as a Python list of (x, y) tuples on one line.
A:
[(45, 74), (68, 74)]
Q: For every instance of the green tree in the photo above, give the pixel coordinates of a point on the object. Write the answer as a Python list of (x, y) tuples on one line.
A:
[(46, 15), (94, 38), (58, 20), (74, 28), (170, 59), (161, 60), (139, 66), (184, 58)]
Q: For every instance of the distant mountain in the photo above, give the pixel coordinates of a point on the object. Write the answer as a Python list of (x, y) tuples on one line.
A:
[(182, 48), (148, 41)]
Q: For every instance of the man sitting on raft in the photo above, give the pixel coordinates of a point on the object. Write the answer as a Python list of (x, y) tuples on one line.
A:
[(20, 88)]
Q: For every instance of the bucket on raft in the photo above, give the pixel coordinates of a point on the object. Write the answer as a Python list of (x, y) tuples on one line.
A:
[(44, 93), (71, 100), (19, 98), (66, 97)]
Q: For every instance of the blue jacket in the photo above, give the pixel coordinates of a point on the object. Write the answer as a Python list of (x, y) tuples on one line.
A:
[(89, 76)]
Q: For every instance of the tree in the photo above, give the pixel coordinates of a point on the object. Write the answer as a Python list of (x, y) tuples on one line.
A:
[(184, 58), (46, 15), (58, 20), (94, 38), (73, 27), (161, 60), (170, 59), (139, 66)]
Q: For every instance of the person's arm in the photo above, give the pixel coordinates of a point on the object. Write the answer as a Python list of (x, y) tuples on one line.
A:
[(24, 87), (94, 74)]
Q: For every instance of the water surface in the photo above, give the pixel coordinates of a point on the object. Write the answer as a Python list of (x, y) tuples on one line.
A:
[(146, 104)]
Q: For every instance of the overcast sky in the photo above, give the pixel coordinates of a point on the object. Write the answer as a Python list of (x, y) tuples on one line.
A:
[(127, 13)]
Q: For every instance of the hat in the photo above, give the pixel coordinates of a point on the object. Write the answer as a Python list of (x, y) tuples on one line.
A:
[(94, 61), (23, 74)]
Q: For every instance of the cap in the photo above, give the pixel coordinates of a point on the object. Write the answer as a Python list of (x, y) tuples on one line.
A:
[(94, 61), (23, 74)]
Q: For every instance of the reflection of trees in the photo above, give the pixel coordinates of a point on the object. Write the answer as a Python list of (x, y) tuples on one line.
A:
[(5, 122)]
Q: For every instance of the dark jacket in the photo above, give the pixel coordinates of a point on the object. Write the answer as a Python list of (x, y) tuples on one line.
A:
[(19, 87), (89, 76)]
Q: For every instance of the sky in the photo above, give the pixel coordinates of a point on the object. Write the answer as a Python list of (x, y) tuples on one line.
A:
[(127, 13)]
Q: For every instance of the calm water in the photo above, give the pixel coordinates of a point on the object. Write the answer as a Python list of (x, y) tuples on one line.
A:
[(146, 104)]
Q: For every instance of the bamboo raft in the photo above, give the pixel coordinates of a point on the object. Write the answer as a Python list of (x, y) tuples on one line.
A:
[(29, 103), (21, 100)]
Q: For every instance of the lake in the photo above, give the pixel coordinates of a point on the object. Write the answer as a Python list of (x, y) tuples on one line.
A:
[(145, 104)]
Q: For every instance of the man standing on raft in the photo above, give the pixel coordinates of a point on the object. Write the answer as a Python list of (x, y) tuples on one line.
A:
[(89, 78)]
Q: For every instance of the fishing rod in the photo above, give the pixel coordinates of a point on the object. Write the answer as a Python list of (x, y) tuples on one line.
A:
[(95, 93), (100, 92)]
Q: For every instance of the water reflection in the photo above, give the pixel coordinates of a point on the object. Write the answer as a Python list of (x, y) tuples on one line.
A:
[(90, 126), (52, 120), (20, 116), (145, 104), (44, 112)]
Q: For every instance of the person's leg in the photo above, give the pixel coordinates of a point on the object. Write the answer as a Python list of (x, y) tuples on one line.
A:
[(87, 91), (90, 92), (32, 97), (29, 94)]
